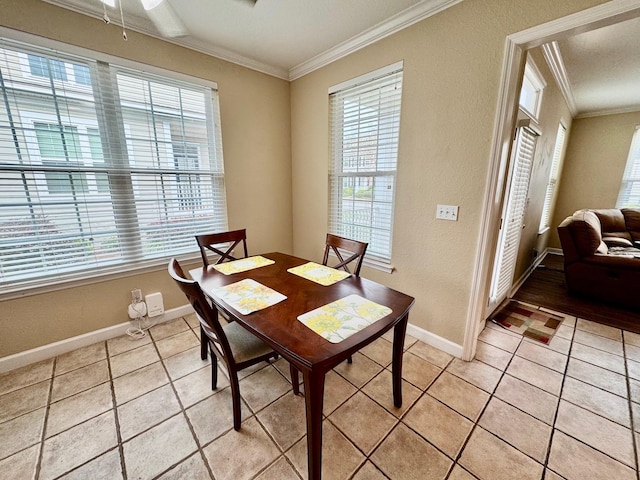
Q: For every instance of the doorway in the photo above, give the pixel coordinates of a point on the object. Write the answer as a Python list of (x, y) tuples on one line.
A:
[(516, 46)]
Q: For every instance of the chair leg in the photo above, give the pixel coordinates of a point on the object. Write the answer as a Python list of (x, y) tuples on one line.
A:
[(235, 394), (214, 371), (204, 344), (294, 379), (349, 360)]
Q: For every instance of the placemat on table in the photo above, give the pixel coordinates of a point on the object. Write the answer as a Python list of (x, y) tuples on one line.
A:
[(248, 296), (319, 273), (341, 319), (242, 265)]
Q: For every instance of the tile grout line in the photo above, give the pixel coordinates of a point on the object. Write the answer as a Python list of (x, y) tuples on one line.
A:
[(115, 414), (183, 410), (634, 440), (44, 425)]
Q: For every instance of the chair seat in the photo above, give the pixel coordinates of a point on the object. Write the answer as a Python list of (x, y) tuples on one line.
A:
[(244, 345)]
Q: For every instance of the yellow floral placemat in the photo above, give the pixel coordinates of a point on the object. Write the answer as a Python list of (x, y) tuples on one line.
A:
[(242, 265), (319, 273), (341, 319), (248, 296)]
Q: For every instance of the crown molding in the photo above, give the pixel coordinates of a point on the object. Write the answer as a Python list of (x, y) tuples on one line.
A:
[(144, 26), (610, 111), (394, 24), (552, 55)]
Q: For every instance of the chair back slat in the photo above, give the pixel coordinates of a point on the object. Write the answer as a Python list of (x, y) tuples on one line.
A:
[(222, 245), (345, 246), (205, 312)]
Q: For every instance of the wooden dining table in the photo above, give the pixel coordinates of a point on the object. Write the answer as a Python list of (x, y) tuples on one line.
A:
[(306, 350)]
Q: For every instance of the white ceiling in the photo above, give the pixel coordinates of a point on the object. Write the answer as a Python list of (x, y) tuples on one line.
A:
[(284, 38), (602, 69), (599, 71)]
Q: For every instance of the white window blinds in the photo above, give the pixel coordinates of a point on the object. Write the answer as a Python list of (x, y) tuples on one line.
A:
[(550, 194), (103, 168), (514, 213), (629, 196), (364, 130)]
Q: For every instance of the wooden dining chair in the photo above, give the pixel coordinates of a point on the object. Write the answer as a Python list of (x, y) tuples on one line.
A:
[(221, 245), (345, 246), (232, 343)]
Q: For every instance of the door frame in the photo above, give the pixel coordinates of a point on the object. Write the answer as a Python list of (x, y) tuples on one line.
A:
[(505, 120)]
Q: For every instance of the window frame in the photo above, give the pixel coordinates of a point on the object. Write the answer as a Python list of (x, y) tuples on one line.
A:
[(554, 174), (337, 172), (534, 77), (631, 173), (34, 44)]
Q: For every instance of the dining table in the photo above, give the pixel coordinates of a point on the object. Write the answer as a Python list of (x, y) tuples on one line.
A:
[(307, 351)]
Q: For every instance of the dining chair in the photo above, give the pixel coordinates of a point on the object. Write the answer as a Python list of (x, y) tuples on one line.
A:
[(345, 246), (232, 343), (220, 244)]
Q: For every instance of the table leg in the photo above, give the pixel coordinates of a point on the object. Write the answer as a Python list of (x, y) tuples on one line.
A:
[(398, 349), (313, 399)]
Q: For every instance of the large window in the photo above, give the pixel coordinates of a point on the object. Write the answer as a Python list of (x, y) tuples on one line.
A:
[(365, 122), (103, 168), (629, 196)]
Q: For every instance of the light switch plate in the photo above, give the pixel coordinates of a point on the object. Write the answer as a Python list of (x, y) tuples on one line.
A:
[(447, 212)]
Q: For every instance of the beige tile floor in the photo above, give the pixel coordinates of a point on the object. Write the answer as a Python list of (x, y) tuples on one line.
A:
[(143, 409)]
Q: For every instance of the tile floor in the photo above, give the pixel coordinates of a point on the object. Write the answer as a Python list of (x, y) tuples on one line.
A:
[(144, 409)]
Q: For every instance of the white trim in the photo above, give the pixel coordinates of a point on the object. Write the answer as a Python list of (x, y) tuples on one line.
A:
[(435, 341), (552, 55), (601, 15), (610, 111), (516, 286), (554, 251), (28, 357), (398, 22)]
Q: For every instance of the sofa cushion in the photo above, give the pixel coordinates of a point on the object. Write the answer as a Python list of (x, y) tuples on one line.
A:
[(586, 233), (632, 221), (616, 241), (612, 224)]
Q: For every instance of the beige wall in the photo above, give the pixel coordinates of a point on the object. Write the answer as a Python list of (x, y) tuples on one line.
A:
[(594, 164), (452, 65), (276, 152), (553, 109), (255, 116)]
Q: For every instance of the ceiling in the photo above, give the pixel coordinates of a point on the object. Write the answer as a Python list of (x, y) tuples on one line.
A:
[(598, 71), (284, 38), (602, 69)]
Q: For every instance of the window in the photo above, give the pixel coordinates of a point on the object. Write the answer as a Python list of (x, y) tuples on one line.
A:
[(106, 170), (47, 67), (364, 129), (629, 196), (531, 92), (549, 196)]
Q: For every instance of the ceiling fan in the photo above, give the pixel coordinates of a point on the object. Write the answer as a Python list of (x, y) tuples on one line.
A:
[(160, 12), (162, 15)]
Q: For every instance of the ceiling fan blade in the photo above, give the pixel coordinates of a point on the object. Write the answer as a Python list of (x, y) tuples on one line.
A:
[(164, 17)]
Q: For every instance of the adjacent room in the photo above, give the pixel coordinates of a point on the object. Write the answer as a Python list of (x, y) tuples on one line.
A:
[(289, 239)]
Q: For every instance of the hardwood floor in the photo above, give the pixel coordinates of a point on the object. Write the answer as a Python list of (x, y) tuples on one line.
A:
[(546, 287)]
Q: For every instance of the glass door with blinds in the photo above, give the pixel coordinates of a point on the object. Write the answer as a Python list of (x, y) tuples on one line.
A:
[(513, 215)]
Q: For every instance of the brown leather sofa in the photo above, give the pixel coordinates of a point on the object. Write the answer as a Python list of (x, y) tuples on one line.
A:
[(601, 258)]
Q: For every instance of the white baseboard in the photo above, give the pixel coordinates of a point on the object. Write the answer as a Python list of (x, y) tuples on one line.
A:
[(435, 340), (27, 357)]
